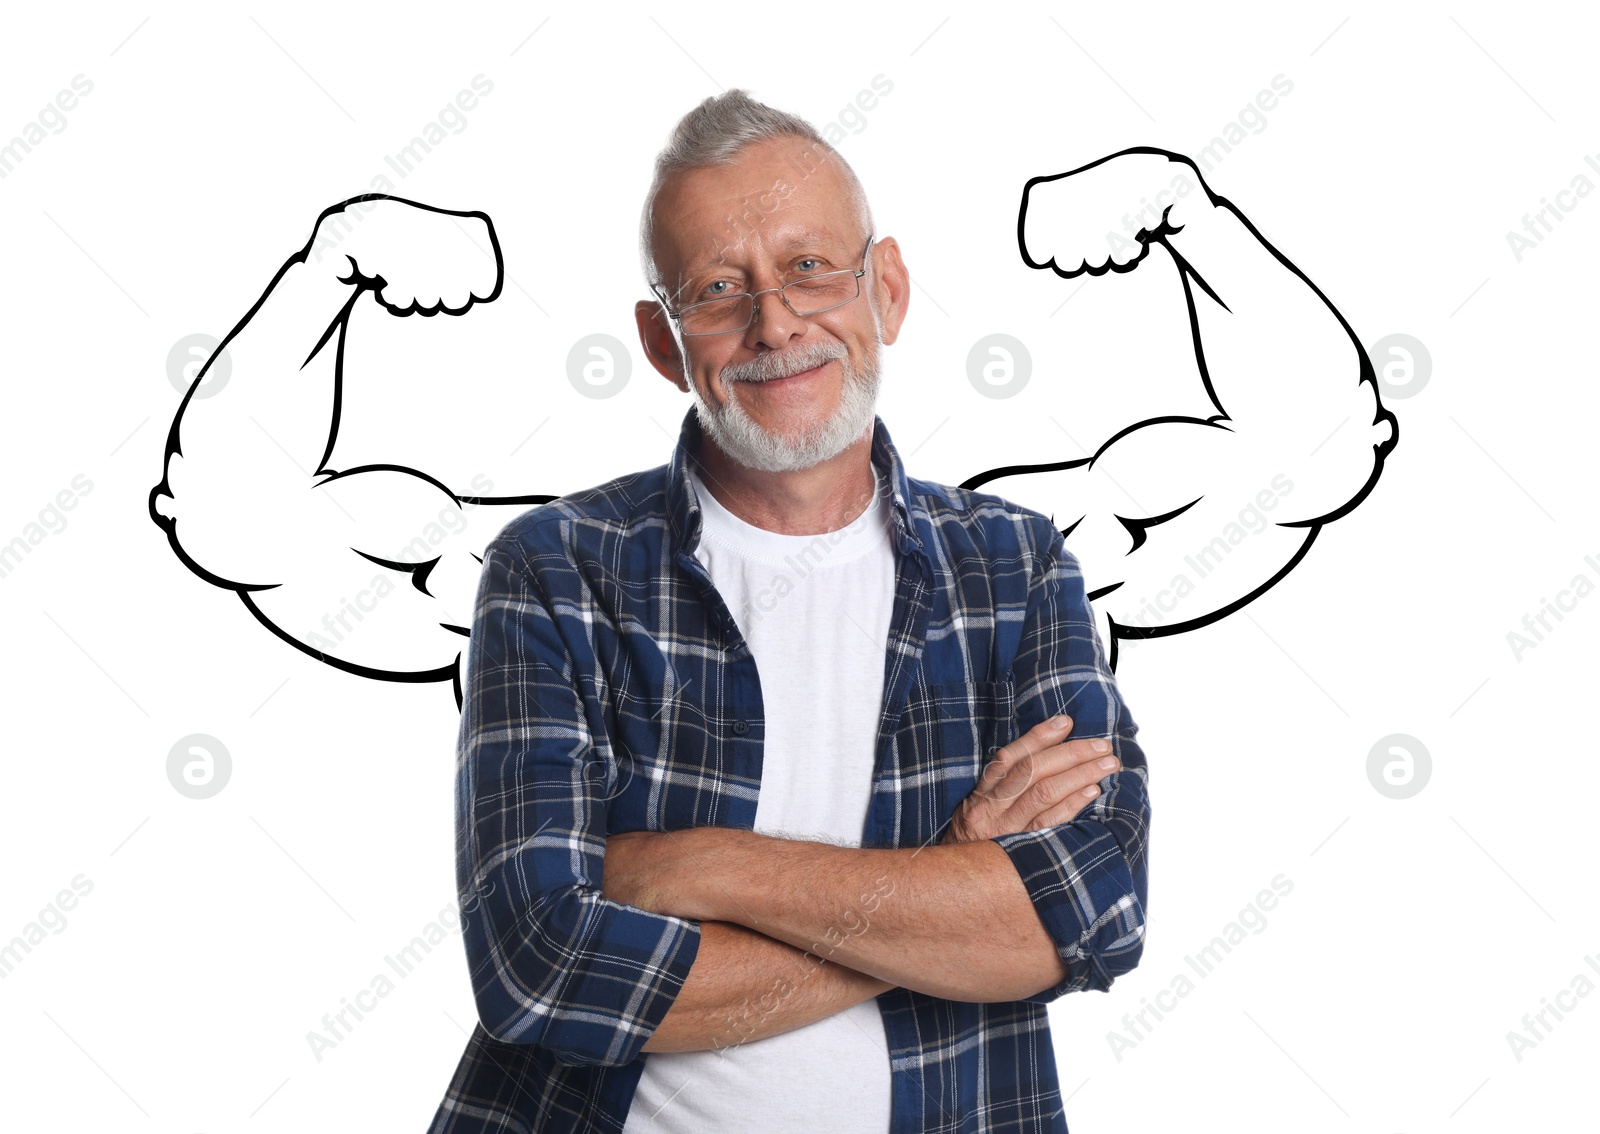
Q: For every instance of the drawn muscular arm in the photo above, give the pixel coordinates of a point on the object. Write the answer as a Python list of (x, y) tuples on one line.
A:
[(1295, 396), (351, 566)]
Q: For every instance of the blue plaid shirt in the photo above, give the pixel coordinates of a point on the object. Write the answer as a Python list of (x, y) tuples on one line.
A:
[(609, 689)]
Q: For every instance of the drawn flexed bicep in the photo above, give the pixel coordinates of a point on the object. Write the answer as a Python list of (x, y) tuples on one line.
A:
[(370, 569)]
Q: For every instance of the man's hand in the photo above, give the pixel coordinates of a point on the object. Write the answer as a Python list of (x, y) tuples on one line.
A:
[(1036, 781), (1102, 216), (419, 259)]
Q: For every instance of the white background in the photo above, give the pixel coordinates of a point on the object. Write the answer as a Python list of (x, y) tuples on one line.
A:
[(180, 991)]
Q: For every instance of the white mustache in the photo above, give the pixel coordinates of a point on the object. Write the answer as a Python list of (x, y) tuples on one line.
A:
[(795, 362)]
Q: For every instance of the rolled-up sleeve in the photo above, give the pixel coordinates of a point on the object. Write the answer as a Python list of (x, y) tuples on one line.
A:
[(552, 962), (1088, 878)]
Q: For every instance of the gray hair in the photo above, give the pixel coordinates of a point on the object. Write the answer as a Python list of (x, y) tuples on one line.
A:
[(714, 133)]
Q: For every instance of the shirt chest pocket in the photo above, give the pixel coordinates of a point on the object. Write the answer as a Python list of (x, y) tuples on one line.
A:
[(950, 731)]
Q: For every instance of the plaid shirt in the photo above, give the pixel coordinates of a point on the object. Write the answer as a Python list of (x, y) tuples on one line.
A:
[(608, 689)]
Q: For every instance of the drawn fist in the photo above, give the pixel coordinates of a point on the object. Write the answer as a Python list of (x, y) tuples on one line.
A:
[(416, 258), (1102, 216)]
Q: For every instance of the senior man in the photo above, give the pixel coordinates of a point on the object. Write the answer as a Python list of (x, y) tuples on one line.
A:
[(766, 815)]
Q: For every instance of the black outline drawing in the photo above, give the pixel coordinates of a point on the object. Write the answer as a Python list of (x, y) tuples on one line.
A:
[(1138, 528), (167, 506), (419, 572)]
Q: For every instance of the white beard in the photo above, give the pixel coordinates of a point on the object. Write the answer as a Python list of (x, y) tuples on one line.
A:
[(744, 441)]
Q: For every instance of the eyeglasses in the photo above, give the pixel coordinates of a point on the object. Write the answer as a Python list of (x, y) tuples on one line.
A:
[(809, 295)]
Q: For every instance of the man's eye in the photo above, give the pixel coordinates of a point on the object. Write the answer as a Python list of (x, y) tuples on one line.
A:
[(808, 260)]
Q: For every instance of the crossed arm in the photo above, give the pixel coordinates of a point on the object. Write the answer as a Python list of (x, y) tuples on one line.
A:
[(775, 911), (587, 943)]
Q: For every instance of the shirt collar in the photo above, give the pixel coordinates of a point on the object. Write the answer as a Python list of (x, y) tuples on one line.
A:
[(683, 509)]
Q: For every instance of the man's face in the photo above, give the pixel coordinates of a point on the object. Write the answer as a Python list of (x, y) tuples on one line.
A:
[(789, 391)]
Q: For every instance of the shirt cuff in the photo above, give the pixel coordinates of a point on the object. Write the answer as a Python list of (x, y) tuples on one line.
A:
[(607, 973), (1083, 890)]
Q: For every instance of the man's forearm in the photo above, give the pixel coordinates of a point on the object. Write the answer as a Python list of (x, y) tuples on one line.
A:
[(745, 986), (952, 921)]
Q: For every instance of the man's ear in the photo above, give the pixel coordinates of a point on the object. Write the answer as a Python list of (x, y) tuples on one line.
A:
[(660, 345), (891, 292)]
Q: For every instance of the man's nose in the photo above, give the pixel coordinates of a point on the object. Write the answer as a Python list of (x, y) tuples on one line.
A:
[(773, 324)]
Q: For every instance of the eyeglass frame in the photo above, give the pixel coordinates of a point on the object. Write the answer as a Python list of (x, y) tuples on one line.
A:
[(755, 303)]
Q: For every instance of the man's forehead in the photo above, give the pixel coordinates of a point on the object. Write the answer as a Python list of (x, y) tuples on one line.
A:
[(774, 239)]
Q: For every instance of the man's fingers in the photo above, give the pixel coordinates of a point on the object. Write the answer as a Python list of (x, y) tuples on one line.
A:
[(1038, 780), (1052, 791), (1065, 811), (1047, 733), (1090, 755)]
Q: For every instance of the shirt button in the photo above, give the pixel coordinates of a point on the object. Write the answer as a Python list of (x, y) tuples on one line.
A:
[(741, 727)]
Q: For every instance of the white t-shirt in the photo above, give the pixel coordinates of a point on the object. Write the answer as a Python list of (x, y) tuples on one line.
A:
[(815, 611)]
